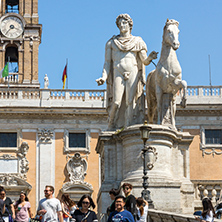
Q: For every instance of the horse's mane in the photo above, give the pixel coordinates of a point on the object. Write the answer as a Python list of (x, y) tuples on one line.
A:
[(171, 22)]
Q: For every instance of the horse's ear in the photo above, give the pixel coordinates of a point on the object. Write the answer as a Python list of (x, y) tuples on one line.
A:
[(168, 20)]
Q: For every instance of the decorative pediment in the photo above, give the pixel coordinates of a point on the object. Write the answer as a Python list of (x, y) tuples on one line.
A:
[(13, 180), (76, 190)]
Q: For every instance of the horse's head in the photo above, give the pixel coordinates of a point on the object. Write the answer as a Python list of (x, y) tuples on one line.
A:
[(171, 33)]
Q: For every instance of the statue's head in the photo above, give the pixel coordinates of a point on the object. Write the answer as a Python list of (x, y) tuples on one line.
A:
[(171, 33), (127, 18)]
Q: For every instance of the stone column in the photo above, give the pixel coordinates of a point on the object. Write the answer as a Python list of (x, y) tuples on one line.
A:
[(20, 63), (35, 52), (3, 7), (46, 162), (28, 11), (21, 6), (35, 16), (27, 61)]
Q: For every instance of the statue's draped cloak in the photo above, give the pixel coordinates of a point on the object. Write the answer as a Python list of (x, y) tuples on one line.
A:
[(133, 44)]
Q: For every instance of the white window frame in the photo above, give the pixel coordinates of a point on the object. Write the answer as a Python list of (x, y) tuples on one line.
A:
[(68, 149), (209, 149)]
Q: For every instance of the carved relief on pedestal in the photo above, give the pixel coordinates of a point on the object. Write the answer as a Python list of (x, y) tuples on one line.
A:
[(45, 135), (77, 167)]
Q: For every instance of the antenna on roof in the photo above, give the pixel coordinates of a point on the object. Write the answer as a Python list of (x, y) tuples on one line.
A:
[(210, 75), (209, 69)]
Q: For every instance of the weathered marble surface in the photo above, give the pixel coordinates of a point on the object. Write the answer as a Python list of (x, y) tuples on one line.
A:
[(169, 180), (165, 81), (124, 73)]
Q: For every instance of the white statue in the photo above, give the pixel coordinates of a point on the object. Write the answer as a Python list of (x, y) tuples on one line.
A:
[(166, 78), (46, 82), (124, 72)]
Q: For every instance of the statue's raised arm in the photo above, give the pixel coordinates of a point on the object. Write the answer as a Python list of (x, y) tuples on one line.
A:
[(124, 73)]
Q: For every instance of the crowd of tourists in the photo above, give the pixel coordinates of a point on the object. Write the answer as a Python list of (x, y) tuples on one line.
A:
[(125, 208)]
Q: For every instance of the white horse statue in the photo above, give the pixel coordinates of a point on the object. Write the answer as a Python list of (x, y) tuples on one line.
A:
[(166, 79)]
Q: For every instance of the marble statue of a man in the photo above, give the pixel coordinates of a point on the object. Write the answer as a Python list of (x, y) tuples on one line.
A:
[(124, 72), (46, 82)]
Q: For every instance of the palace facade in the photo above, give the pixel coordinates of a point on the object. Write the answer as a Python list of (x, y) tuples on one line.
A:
[(48, 137)]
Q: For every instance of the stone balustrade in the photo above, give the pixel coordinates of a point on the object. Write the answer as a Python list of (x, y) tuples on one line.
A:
[(52, 98), (12, 78), (205, 188), (202, 95), (91, 98), (201, 91)]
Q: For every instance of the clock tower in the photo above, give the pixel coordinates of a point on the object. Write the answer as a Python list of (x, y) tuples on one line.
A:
[(20, 36)]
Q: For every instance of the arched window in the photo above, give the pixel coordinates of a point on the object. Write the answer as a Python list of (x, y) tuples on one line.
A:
[(12, 6), (11, 56)]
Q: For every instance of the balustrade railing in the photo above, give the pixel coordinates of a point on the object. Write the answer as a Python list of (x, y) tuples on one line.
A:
[(204, 91), (81, 95), (194, 95), (54, 97), (8, 94), (204, 188), (11, 78)]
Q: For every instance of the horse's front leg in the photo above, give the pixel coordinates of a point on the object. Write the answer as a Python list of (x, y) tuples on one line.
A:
[(183, 102), (159, 96)]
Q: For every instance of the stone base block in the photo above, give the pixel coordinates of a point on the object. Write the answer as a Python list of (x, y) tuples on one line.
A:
[(169, 183)]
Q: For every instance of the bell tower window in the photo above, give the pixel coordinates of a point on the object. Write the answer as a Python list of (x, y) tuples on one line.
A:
[(12, 6), (11, 56)]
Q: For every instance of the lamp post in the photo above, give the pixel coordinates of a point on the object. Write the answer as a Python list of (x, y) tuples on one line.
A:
[(145, 131)]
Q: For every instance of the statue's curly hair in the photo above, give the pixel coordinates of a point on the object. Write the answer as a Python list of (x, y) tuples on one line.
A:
[(127, 18)]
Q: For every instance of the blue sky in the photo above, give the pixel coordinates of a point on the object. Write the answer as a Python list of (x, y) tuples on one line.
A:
[(79, 30)]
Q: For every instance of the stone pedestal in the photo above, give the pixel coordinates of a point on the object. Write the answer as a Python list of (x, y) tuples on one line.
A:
[(169, 180)]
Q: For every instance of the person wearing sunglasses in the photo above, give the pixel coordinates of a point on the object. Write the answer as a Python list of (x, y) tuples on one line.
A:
[(84, 214), (23, 208), (49, 208), (130, 200)]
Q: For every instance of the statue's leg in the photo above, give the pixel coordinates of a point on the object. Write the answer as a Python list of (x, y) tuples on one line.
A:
[(118, 85), (151, 107), (151, 96), (131, 86), (182, 84), (159, 95), (174, 110), (184, 98)]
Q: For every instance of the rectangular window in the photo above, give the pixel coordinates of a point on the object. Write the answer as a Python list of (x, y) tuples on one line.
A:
[(213, 136), (8, 139), (77, 140)]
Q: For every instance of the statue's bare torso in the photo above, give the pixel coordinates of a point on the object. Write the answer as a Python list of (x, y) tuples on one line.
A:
[(125, 56)]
